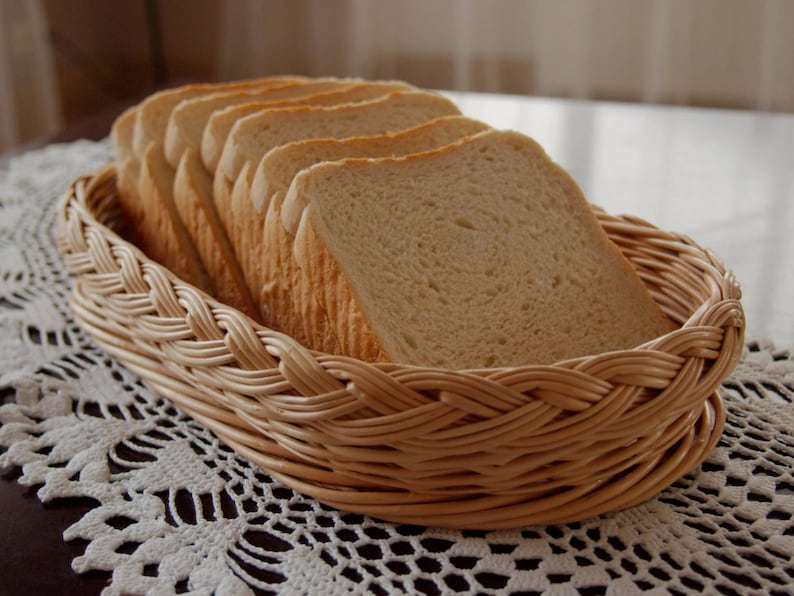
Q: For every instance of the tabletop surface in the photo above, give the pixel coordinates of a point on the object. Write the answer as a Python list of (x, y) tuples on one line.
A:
[(724, 178)]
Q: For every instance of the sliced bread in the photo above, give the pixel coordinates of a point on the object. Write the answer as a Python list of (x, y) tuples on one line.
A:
[(270, 269), (133, 134), (254, 135), (127, 164), (321, 92), (153, 112), (193, 188), (480, 254), (158, 229), (279, 126), (193, 203), (209, 267), (189, 118), (358, 93), (122, 133)]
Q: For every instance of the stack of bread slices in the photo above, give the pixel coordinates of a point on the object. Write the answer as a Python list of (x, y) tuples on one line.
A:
[(372, 219)]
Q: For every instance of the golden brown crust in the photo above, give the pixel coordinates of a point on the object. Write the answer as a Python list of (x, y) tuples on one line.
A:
[(155, 110), (317, 270), (194, 204), (160, 230), (121, 133)]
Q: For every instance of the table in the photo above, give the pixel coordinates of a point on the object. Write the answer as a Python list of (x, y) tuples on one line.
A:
[(130, 480)]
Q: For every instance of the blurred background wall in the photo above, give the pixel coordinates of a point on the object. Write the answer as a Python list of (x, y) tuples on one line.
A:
[(65, 62)]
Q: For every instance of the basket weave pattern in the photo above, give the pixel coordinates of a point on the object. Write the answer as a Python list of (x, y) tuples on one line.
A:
[(484, 449)]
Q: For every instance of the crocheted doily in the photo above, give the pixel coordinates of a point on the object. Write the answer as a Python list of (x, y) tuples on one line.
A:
[(178, 511)]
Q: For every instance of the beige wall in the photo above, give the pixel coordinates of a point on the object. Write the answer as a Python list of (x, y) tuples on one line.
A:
[(104, 55), (733, 53), (736, 53)]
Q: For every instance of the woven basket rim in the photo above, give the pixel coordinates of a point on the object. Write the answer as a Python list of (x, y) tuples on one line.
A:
[(351, 433)]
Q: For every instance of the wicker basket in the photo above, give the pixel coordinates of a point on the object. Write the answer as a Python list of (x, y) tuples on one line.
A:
[(479, 449)]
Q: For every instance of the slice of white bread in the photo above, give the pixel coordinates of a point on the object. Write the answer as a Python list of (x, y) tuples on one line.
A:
[(327, 92), (354, 94), (320, 92), (254, 135), (193, 202), (154, 111), (147, 122), (216, 275), (481, 254), (193, 191), (189, 118), (128, 165), (276, 127), (158, 230), (133, 134), (270, 269), (122, 132)]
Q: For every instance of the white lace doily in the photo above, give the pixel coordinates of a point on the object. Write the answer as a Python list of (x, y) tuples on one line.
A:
[(179, 512)]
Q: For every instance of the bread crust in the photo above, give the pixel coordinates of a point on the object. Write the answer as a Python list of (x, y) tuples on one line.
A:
[(188, 119), (324, 293), (158, 227), (194, 204)]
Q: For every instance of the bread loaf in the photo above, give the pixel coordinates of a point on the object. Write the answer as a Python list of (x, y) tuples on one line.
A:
[(370, 219), (480, 254)]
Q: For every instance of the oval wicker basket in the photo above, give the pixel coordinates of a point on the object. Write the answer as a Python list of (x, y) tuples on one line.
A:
[(480, 449)]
